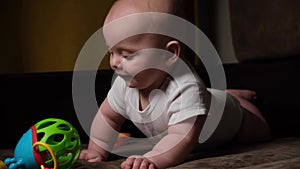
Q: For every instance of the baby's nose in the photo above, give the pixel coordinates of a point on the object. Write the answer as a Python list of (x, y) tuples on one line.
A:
[(115, 62)]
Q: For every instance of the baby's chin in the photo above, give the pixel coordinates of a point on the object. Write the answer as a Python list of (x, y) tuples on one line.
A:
[(130, 83)]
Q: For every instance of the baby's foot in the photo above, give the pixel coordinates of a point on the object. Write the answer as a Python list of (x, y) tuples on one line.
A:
[(243, 93)]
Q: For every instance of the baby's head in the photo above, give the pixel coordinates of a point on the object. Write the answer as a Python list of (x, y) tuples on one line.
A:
[(122, 8), (127, 36), (127, 7)]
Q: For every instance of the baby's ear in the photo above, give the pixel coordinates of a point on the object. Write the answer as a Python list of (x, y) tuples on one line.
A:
[(175, 48)]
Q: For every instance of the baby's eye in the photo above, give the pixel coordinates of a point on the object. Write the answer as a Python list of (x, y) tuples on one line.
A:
[(129, 56)]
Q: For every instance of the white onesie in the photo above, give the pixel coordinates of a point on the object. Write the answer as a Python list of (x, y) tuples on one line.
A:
[(179, 98)]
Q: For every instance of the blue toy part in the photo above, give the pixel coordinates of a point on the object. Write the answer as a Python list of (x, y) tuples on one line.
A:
[(54, 136), (23, 154)]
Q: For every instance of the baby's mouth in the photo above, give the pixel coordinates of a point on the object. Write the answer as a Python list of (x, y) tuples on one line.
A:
[(125, 77)]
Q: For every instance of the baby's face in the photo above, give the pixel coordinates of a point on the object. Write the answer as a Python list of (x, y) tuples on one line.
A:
[(131, 51), (137, 61)]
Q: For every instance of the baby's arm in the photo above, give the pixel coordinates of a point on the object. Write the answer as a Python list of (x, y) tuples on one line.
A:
[(103, 134), (174, 147)]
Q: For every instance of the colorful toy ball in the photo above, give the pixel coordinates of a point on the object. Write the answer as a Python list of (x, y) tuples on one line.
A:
[(50, 143), (62, 138)]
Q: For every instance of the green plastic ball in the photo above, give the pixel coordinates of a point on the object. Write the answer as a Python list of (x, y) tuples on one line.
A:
[(62, 138)]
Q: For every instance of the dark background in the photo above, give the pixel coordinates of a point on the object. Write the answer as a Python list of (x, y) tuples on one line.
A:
[(28, 98), (41, 40)]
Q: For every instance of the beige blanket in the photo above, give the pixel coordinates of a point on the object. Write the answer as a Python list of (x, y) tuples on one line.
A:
[(280, 153)]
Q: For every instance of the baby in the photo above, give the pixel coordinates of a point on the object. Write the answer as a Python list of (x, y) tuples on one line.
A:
[(161, 97)]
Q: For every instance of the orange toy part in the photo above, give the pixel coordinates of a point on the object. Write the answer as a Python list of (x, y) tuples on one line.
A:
[(2, 165), (122, 139)]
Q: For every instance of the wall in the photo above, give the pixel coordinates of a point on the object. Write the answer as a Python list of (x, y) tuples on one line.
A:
[(251, 29), (265, 29), (47, 35)]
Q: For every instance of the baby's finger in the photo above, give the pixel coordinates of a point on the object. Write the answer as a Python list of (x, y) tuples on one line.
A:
[(144, 164), (128, 163), (82, 155), (137, 163), (152, 166), (95, 159), (123, 164)]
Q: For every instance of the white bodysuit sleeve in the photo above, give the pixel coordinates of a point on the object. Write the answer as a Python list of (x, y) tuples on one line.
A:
[(116, 96)]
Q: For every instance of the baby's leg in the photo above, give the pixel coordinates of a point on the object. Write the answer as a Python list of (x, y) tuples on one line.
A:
[(254, 127)]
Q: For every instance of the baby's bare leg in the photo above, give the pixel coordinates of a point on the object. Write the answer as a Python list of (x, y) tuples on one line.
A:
[(254, 127)]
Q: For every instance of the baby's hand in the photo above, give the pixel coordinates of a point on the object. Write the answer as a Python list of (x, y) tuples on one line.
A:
[(137, 162), (91, 156)]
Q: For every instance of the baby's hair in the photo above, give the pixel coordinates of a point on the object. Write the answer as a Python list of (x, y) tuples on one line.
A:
[(174, 7)]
